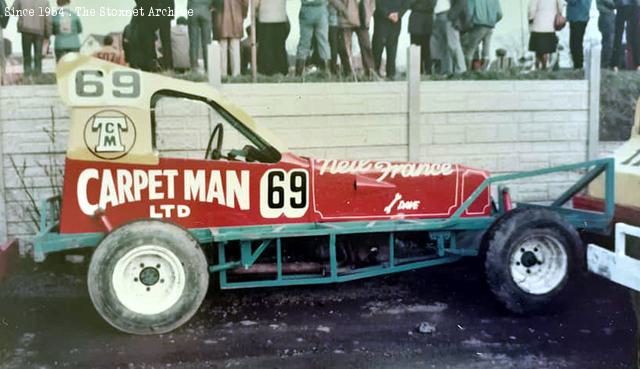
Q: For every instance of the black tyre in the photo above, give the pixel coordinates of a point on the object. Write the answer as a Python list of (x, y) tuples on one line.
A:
[(531, 256), (148, 277)]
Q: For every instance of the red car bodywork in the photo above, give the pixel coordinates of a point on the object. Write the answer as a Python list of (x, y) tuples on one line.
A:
[(221, 193)]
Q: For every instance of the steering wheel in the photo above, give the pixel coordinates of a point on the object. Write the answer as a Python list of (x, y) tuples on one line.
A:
[(217, 153)]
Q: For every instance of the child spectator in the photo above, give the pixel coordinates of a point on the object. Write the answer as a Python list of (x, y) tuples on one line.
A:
[(109, 53)]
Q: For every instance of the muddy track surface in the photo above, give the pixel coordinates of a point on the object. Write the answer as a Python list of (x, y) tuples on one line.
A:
[(47, 321)]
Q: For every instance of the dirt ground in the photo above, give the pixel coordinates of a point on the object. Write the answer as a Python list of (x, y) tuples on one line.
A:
[(47, 321)]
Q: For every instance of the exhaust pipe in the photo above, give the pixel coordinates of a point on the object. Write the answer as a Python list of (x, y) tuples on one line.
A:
[(294, 268)]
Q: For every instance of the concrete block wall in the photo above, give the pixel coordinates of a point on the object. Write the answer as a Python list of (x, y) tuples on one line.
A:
[(507, 126), (332, 120), (502, 126)]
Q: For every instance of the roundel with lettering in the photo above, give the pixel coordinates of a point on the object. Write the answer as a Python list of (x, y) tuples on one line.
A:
[(109, 134)]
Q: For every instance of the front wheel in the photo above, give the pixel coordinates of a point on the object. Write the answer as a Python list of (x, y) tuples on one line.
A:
[(532, 255), (148, 277)]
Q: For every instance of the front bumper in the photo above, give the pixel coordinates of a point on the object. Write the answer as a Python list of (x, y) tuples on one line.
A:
[(616, 265)]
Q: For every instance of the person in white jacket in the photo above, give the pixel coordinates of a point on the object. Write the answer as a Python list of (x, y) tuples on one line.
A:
[(542, 20)]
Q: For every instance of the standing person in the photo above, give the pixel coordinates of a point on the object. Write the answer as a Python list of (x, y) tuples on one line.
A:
[(271, 33), (145, 26), (355, 17), (180, 45), (199, 30), (335, 41), (635, 304), (163, 24), (34, 29), (627, 14), (450, 16), (66, 28), (484, 15), (229, 30), (420, 30), (130, 46), (386, 30), (577, 16), (543, 40), (4, 18), (314, 22), (606, 25)]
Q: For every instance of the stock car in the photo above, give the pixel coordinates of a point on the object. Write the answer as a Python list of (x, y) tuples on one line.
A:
[(258, 215)]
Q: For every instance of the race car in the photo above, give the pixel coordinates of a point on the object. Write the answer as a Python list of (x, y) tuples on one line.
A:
[(258, 215), (622, 264)]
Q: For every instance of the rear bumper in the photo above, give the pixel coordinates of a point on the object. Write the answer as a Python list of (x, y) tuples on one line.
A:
[(8, 257), (616, 265)]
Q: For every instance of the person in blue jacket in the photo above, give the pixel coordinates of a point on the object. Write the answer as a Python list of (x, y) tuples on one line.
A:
[(66, 29), (578, 17)]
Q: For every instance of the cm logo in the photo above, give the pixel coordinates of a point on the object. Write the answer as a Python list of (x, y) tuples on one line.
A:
[(109, 134)]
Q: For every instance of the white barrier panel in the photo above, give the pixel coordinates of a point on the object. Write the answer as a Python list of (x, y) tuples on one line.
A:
[(616, 266)]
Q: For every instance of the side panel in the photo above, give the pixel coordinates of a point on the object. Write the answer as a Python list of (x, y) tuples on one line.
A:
[(207, 193), (364, 189), (191, 193)]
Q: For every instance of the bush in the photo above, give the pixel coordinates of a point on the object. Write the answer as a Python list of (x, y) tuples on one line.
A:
[(619, 92)]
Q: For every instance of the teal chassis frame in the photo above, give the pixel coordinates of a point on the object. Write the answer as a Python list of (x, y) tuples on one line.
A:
[(253, 241)]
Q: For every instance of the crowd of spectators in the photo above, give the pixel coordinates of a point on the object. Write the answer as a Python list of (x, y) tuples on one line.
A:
[(460, 31)]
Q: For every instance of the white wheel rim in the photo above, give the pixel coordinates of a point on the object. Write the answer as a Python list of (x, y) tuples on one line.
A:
[(539, 264), (148, 279)]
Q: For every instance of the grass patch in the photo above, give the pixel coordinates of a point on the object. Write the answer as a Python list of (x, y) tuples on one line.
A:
[(510, 74)]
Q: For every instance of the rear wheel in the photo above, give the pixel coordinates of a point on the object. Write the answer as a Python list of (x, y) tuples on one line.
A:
[(148, 277), (532, 254)]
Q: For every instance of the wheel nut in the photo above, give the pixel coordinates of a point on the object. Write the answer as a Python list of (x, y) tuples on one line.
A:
[(535, 249), (157, 266), (162, 281), (141, 265), (528, 271), (148, 288), (135, 279)]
